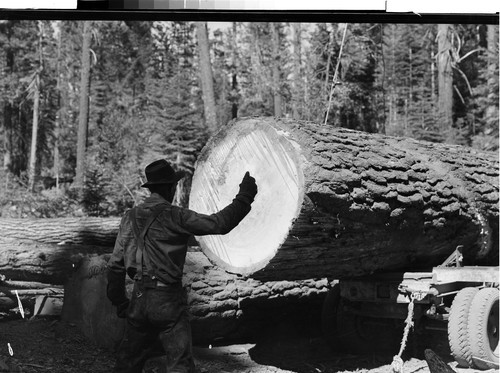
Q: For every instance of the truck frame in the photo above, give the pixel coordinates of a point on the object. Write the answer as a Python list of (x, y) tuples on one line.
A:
[(365, 313)]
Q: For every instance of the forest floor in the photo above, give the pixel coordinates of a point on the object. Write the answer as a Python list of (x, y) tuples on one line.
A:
[(50, 345)]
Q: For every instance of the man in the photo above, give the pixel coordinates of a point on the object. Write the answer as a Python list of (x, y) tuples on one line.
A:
[(151, 248)]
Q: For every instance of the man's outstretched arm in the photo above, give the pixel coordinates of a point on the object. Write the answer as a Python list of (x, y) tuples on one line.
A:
[(223, 221)]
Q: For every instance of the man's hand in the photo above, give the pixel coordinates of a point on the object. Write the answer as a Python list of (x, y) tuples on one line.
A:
[(248, 188)]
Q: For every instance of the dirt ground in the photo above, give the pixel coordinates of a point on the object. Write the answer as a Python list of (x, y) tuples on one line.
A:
[(50, 345)]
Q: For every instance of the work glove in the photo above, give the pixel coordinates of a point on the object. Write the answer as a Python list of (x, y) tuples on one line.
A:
[(121, 309), (248, 188)]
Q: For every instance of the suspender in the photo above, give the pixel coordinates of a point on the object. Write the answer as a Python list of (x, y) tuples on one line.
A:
[(141, 247)]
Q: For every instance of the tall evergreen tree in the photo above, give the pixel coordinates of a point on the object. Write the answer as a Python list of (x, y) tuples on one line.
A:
[(445, 79), (206, 77), (83, 121)]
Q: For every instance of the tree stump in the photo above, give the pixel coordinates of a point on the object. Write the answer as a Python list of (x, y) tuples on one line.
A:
[(340, 203)]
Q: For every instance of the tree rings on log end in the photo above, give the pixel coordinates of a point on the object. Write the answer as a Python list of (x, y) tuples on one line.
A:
[(274, 160)]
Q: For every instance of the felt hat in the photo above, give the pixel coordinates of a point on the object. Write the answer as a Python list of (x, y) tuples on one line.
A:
[(161, 172)]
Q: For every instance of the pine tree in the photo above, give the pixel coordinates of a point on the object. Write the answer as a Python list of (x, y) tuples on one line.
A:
[(206, 77), (83, 114), (485, 127)]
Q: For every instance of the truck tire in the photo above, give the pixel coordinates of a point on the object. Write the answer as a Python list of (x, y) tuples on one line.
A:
[(458, 336), (329, 316), (483, 328)]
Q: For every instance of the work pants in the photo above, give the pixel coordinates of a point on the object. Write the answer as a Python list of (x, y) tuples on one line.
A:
[(156, 314)]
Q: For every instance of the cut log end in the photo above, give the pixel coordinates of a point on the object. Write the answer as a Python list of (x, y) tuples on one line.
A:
[(273, 160)]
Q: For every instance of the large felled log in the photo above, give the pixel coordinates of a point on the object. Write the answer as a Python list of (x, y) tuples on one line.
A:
[(43, 262), (46, 249), (83, 231), (336, 202), (222, 306)]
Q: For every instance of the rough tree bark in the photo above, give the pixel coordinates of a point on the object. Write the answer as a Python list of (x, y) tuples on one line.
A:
[(339, 203), (207, 81), (234, 95), (83, 116), (47, 263), (445, 80), (85, 231), (222, 306), (276, 70), (46, 249), (297, 62), (59, 102), (492, 40), (36, 111)]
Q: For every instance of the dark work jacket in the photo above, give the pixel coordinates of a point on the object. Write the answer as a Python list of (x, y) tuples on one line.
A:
[(165, 241)]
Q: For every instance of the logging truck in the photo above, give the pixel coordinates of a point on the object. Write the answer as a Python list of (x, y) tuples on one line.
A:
[(361, 313)]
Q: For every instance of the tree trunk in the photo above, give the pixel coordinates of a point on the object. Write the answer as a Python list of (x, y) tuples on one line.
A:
[(234, 96), (46, 249), (445, 80), (276, 69), (207, 81), (339, 203), (36, 110), (491, 113), (83, 118), (222, 306), (82, 231), (27, 297), (55, 168), (297, 99), (7, 105), (47, 263), (34, 135)]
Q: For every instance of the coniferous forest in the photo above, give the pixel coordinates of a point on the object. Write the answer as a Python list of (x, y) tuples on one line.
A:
[(85, 105)]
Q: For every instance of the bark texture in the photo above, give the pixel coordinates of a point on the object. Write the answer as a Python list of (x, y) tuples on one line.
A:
[(206, 77), (87, 231), (46, 250), (41, 262), (445, 79), (83, 117), (223, 306), (367, 202)]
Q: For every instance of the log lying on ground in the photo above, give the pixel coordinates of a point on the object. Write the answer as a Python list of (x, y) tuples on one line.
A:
[(62, 231), (51, 247), (27, 296), (43, 262), (222, 306), (339, 203)]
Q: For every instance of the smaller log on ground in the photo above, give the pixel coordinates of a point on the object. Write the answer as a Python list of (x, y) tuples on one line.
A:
[(222, 306), (9, 298), (43, 262), (81, 231)]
